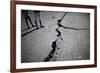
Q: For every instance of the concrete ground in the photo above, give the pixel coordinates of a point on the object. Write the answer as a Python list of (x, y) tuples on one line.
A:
[(36, 44)]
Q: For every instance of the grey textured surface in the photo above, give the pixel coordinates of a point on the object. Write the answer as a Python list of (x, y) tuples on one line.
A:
[(36, 45)]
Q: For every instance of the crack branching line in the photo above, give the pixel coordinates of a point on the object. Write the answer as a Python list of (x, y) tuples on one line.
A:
[(71, 27)]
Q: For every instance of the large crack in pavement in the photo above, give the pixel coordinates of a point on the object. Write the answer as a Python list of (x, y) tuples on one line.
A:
[(54, 44)]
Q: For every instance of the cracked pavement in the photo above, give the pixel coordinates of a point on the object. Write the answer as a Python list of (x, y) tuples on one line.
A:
[(75, 45)]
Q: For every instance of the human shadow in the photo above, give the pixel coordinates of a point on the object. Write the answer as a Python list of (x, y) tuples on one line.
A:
[(27, 32)]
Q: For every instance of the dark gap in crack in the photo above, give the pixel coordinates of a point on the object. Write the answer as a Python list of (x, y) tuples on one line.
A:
[(54, 46)]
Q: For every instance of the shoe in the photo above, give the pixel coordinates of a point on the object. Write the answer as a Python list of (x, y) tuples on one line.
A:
[(28, 28), (33, 26), (42, 26), (37, 28)]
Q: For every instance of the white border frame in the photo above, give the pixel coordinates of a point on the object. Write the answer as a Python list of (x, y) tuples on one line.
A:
[(20, 65)]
